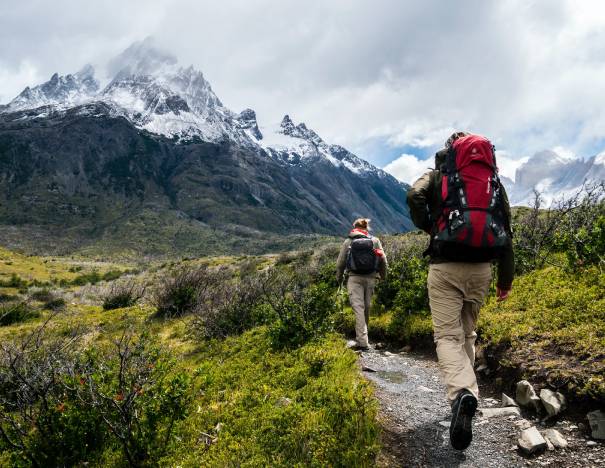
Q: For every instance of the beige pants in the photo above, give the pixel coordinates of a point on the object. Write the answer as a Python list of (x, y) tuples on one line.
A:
[(456, 293), (360, 290)]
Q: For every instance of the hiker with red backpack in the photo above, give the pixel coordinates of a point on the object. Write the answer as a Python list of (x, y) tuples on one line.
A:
[(463, 206), (362, 259)]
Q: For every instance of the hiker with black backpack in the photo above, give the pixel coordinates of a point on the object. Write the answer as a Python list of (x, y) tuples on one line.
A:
[(463, 206), (362, 260)]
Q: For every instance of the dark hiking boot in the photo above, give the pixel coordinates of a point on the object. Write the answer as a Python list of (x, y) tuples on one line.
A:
[(461, 427)]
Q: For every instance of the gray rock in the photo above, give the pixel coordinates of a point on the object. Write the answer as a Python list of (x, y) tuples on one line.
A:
[(508, 401), (388, 353), (549, 446), (482, 368), (591, 443), (367, 369), (531, 441), (445, 423), (555, 438), (554, 402), (283, 401), (522, 424), (497, 412), (526, 396), (596, 419)]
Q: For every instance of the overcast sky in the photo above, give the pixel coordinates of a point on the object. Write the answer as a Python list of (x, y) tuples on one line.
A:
[(388, 79)]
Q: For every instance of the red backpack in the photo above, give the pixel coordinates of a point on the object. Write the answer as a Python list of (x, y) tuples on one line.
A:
[(472, 225)]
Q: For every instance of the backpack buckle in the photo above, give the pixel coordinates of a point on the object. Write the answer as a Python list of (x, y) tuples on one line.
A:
[(455, 220)]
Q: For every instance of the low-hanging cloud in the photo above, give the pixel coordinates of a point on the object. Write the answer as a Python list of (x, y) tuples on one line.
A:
[(527, 74)]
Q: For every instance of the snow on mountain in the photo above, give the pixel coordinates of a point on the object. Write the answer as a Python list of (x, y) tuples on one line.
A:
[(555, 176), (64, 91), (150, 89)]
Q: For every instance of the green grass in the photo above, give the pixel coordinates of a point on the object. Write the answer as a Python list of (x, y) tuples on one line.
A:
[(307, 407), (554, 320)]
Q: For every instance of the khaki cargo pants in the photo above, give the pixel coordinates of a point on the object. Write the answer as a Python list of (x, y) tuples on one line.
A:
[(361, 288), (456, 293)]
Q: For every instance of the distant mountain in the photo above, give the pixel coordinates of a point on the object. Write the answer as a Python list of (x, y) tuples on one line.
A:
[(554, 176), (154, 162)]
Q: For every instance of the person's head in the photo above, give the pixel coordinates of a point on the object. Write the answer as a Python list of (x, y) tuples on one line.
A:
[(453, 137), (362, 223)]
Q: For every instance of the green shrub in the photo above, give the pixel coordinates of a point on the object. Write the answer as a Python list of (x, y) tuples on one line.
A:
[(234, 305), (16, 312), (184, 290), (62, 405), (15, 281), (86, 278), (302, 316), (123, 295), (56, 303)]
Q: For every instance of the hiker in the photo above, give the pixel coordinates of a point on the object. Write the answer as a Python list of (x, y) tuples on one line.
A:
[(362, 259), (463, 206)]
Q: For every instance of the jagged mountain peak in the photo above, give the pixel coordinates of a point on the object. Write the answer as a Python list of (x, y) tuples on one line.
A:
[(68, 90)]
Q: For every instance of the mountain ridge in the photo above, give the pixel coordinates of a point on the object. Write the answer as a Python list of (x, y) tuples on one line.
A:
[(157, 142)]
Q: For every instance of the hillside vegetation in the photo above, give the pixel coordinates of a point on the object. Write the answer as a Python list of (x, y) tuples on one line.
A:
[(214, 362)]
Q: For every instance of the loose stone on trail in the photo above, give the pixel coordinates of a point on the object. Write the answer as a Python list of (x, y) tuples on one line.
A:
[(498, 412), (531, 441), (555, 438), (508, 401), (526, 396), (554, 402), (596, 419)]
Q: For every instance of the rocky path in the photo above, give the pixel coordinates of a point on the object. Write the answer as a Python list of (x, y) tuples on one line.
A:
[(415, 418)]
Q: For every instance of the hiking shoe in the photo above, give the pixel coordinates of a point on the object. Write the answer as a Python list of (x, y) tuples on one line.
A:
[(461, 427)]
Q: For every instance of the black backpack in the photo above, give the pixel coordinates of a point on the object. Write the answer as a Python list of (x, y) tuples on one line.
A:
[(361, 258)]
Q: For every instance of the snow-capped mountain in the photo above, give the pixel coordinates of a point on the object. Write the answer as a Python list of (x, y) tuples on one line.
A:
[(156, 94), (63, 91), (555, 176), (154, 162)]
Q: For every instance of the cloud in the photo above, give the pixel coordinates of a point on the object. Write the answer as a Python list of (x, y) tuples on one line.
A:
[(408, 168), (526, 74)]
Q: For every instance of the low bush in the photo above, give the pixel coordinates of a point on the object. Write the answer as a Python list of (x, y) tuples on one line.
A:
[(124, 294), (15, 312), (184, 290), (234, 305), (62, 405), (42, 295), (54, 304), (302, 314), (15, 281)]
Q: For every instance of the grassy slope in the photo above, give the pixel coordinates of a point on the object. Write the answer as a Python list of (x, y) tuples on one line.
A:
[(553, 326), (241, 383)]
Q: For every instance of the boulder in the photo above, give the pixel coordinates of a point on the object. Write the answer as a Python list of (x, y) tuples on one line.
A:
[(497, 412), (531, 441), (596, 419), (526, 395), (283, 401), (554, 402), (555, 438), (508, 401)]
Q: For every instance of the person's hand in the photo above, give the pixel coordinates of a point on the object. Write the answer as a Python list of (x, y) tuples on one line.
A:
[(502, 294)]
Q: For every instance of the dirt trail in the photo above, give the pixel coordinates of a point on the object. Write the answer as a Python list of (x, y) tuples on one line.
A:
[(415, 418)]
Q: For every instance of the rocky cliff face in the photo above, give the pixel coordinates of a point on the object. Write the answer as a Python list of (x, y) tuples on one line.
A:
[(155, 153)]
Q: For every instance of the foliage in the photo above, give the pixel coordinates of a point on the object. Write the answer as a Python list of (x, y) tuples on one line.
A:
[(302, 315), (61, 404), (184, 290), (124, 294), (553, 316), (15, 312), (264, 407), (568, 227)]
